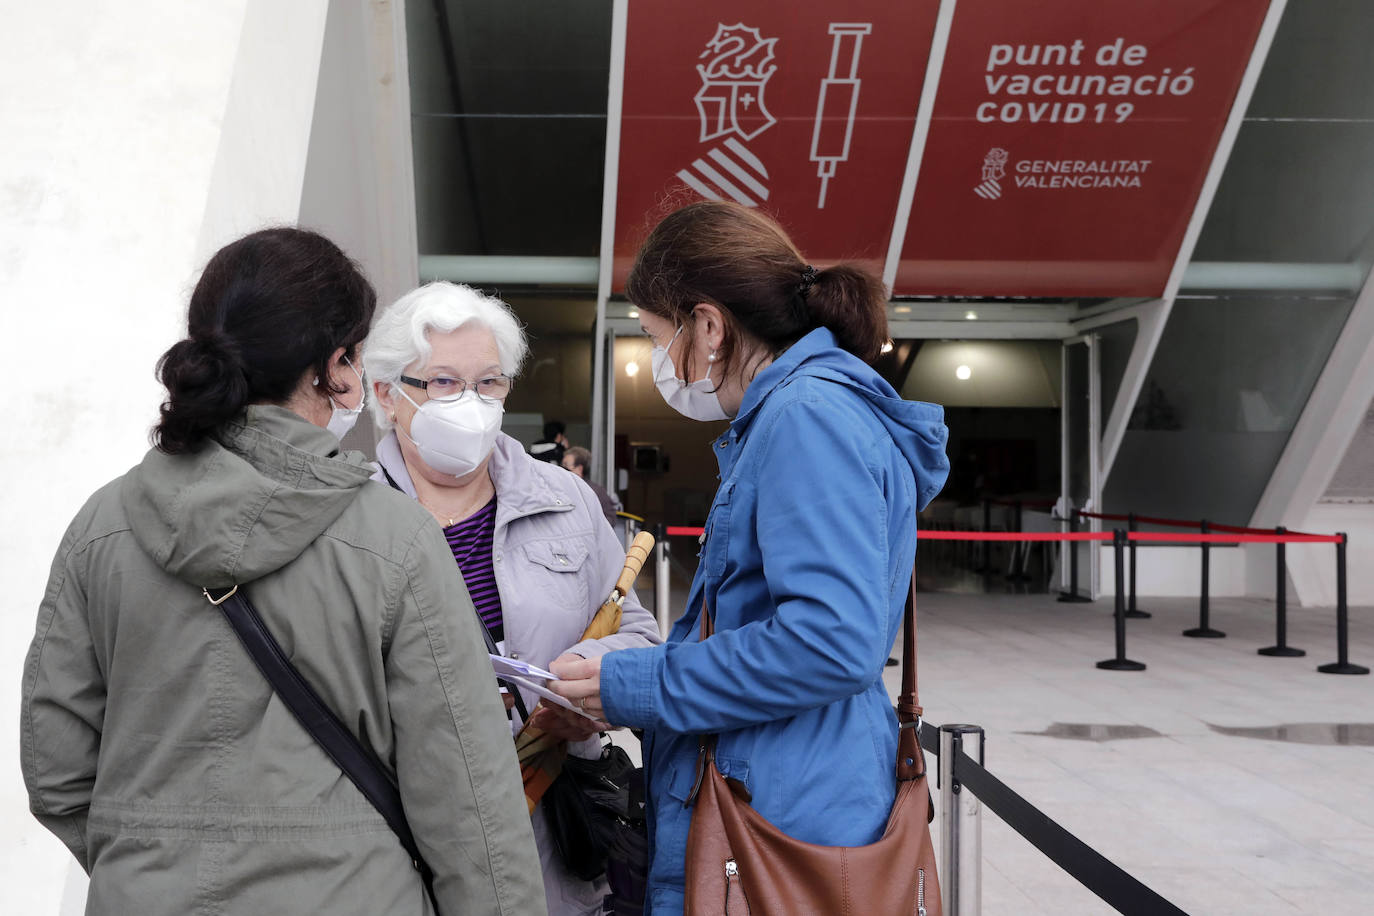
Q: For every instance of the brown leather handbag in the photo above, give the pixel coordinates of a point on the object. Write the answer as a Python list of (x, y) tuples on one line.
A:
[(739, 864)]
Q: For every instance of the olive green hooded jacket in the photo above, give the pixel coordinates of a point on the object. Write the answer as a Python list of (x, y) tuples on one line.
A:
[(154, 748)]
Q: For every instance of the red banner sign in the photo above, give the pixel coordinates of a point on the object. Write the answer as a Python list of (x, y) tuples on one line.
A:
[(1069, 144), (801, 110)]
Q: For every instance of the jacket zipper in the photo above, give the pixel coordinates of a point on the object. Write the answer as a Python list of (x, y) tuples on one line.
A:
[(920, 892), (736, 904)]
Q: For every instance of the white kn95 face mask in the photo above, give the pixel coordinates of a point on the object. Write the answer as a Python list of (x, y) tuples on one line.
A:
[(455, 437), (695, 400)]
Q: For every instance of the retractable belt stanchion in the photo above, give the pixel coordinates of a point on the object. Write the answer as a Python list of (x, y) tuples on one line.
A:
[(1280, 646), (1121, 662), (1342, 664), (662, 592), (1131, 609), (1203, 630), (961, 827), (986, 568), (1072, 594), (1017, 572)]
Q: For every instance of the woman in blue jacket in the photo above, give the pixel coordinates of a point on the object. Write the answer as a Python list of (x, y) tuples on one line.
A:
[(809, 542)]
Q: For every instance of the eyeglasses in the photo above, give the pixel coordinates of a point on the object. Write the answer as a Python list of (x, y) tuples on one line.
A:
[(446, 388)]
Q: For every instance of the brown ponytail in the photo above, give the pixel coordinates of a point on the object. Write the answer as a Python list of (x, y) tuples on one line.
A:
[(851, 302), (743, 262)]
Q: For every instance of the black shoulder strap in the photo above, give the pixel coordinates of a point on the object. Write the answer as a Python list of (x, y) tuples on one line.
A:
[(357, 763), (389, 479)]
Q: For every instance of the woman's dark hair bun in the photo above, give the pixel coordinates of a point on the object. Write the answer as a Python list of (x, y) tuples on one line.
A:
[(268, 309), (205, 385)]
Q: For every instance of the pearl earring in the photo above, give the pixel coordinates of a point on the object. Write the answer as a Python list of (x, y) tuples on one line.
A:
[(711, 357)]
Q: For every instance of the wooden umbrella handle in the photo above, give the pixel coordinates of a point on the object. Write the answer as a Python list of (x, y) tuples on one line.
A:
[(639, 551)]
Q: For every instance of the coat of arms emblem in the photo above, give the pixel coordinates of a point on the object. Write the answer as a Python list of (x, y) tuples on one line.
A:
[(733, 80)]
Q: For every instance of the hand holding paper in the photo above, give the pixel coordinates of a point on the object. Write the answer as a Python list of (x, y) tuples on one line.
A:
[(580, 682), (530, 677)]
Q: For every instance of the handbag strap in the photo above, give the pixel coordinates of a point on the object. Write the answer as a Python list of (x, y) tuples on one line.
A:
[(358, 764), (513, 690), (911, 762)]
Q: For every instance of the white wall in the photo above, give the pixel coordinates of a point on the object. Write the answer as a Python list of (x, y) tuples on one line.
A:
[(1176, 572), (138, 138), (1314, 565)]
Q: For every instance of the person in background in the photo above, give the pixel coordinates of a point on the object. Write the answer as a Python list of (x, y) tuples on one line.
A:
[(809, 543), (152, 744), (528, 537), (579, 460), (553, 444), (551, 452)]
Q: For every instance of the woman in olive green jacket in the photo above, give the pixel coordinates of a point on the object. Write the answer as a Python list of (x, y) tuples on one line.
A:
[(152, 745)]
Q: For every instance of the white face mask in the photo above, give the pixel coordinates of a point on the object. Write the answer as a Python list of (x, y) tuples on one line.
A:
[(696, 400), (341, 419), (455, 437)]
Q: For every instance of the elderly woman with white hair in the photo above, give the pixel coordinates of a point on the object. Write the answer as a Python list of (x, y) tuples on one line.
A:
[(534, 548)]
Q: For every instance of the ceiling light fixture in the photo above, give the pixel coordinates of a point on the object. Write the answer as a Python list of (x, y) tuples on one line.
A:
[(886, 347), (963, 373), (971, 316), (632, 369)]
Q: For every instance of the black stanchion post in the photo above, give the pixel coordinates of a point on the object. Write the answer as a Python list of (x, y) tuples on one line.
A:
[(1017, 573), (1342, 664), (1203, 630), (1280, 646), (1131, 609), (1121, 662), (1072, 594), (987, 545)]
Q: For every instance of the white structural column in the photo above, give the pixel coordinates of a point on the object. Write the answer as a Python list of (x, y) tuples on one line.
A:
[(603, 419), (139, 137), (264, 136), (1328, 423), (925, 112), (1153, 316), (360, 172)]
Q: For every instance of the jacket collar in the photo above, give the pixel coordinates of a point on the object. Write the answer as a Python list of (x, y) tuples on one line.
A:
[(777, 372), (521, 489)]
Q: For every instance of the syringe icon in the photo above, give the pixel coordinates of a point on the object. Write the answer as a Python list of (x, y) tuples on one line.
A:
[(837, 102)]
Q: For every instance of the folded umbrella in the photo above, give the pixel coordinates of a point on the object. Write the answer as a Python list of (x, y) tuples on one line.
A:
[(540, 754)]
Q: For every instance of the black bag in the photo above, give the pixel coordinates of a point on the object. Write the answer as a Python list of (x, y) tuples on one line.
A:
[(627, 871), (595, 813)]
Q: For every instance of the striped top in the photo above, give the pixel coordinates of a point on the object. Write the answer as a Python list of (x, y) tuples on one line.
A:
[(470, 540)]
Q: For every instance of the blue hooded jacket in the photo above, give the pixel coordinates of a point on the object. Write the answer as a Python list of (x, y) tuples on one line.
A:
[(805, 564)]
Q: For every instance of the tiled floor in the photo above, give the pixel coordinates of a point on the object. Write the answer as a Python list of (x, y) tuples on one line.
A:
[(1216, 821)]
